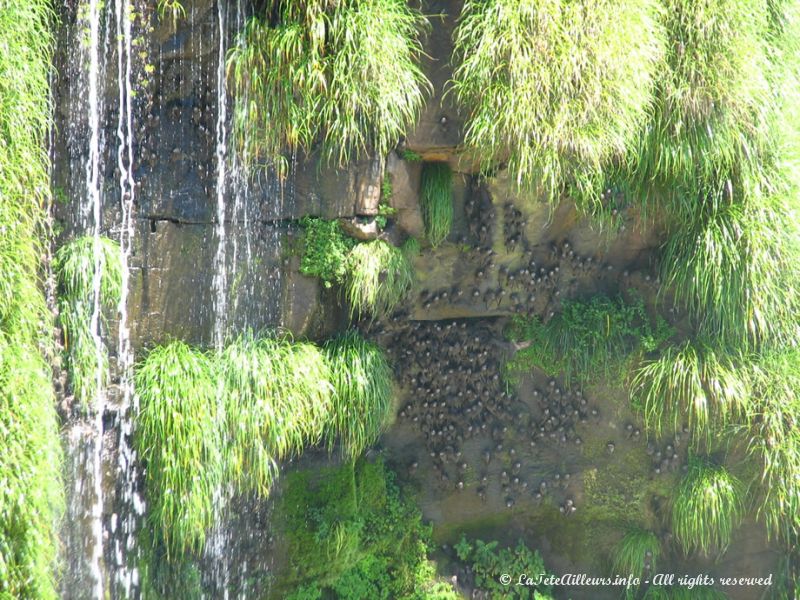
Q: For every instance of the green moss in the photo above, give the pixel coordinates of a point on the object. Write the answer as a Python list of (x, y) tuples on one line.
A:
[(353, 531), (588, 340)]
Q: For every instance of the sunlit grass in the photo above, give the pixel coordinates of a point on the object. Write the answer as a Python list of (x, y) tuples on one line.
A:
[(774, 440), (695, 383), (379, 277), (180, 438), (362, 383), (31, 492), (76, 264), (221, 421), (345, 75), (557, 90), (436, 201), (707, 506)]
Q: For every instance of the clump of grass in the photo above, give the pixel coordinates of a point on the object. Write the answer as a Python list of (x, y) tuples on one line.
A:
[(76, 265), (691, 381), (707, 506), (713, 102), (588, 340), (325, 250), (172, 9), (558, 90), (436, 201), (180, 439), (774, 439), (31, 493), (637, 553), (411, 247), (211, 423), (345, 74), (735, 268), (362, 400), (379, 276)]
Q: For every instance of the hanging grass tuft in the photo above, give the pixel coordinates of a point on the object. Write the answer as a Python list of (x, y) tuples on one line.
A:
[(180, 440), (712, 113), (344, 74), (436, 201), (221, 422), (557, 90), (707, 506), (693, 382), (379, 277), (774, 440), (362, 383), (76, 264), (735, 268), (637, 553)]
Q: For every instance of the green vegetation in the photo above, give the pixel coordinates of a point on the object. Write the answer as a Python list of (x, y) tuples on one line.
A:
[(436, 201), (588, 340), (374, 276), (325, 250), (691, 382), (488, 564), (172, 9), (774, 440), (31, 495), (410, 155), (213, 421), (637, 554), (558, 90), (353, 532), (344, 74), (180, 440), (77, 265), (708, 505), (379, 276), (362, 399), (735, 267)]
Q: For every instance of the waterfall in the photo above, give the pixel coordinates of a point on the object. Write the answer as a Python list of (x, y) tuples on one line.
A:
[(131, 502), (220, 274)]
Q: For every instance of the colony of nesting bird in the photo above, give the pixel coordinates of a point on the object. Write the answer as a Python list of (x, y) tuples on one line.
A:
[(530, 280)]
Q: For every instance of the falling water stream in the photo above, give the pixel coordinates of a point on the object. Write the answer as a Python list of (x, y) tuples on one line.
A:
[(100, 46)]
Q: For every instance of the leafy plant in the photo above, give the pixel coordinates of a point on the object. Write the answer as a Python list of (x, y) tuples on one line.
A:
[(81, 265), (378, 278), (557, 90), (706, 508), (170, 8), (352, 531), (488, 563), (410, 155), (325, 250), (345, 74), (362, 399), (588, 340), (436, 201), (384, 212)]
